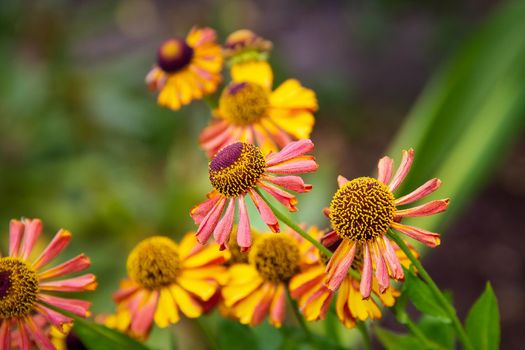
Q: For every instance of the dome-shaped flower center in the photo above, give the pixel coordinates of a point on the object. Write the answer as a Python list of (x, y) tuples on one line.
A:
[(236, 168), (244, 103), (18, 288), (362, 210), (173, 55), (154, 263), (236, 255), (275, 256)]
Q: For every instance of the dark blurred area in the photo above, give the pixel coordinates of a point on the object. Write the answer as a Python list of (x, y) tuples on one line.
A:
[(84, 146)]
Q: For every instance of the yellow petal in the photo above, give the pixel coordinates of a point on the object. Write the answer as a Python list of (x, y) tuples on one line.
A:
[(292, 95), (307, 276), (259, 72), (298, 123), (244, 310), (207, 255), (217, 273), (232, 293), (167, 312), (185, 302), (201, 288)]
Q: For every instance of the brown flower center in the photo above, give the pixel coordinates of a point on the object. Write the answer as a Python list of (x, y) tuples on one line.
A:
[(275, 256), (173, 55), (244, 103), (18, 288)]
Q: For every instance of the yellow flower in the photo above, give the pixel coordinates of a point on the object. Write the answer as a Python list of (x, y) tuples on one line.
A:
[(186, 70), (165, 278), (250, 111), (244, 45)]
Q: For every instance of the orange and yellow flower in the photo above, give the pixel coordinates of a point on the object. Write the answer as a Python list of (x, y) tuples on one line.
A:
[(186, 69), (250, 111), (361, 213), (28, 290), (166, 278), (241, 169)]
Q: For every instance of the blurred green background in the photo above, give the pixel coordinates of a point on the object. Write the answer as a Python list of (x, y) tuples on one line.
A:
[(84, 146)]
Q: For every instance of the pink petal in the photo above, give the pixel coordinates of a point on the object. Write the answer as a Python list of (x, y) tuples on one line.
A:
[(341, 180), (338, 266), (5, 335), (25, 343), (76, 284), (430, 208), (326, 212), (199, 212), (55, 318), (59, 242), (33, 228), (428, 238), (366, 274), (396, 271), (330, 238), (381, 268), (78, 263), (402, 171), (292, 183), (277, 307), (287, 199), (16, 232), (124, 293), (262, 308), (384, 169), (299, 165), (214, 144), (142, 321), (266, 212), (75, 306), (291, 150), (40, 338), (422, 191), (244, 235), (224, 227), (208, 224)]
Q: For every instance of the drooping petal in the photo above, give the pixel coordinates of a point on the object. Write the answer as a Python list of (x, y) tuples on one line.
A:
[(142, 321), (428, 238), (76, 284), (317, 304), (366, 274), (298, 165), (396, 271), (25, 343), (33, 228), (167, 311), (16, 232), (287, 199), (330, 238), (187, 304), (55, 318), (384, 169), (339, 264), (244, 235), (304, 281), (402, 171), (341, 180), (261, 309), (38, 336), (208, 224), (75, 306), (290, 151), (422, 191), (204, 289), (430, 208), (224, 227), (291, 182), (278, 306), (381, 268), (5, 335), (200, 211), (266, 212), (78, 263), (59, 242)]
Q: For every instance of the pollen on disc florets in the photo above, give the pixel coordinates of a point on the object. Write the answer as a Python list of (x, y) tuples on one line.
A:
[(18, 288), (362, 209), (173, 55), (244, 103), (154, 263), (236, 168), (275, 256)]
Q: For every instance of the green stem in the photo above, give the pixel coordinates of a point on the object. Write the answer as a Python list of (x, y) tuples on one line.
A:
[(298, 316), (295, 227), (460, 331), (414, 329), (361, 326)]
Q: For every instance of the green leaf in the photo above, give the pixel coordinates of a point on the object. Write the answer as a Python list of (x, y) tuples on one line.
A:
[(98, 337), (235, 336), (482, 323), (421, 296), (396, 341), (438, 331)]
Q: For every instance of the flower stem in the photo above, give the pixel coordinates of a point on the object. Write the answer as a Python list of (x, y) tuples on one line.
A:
[(295, 227), (298, 315), (449, 309), (361, 326)]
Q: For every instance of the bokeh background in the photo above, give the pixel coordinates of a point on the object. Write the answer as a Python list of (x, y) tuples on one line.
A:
[(84, 146)]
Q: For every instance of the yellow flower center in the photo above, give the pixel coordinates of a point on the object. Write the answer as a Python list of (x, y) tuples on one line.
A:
[(173, 55), (18, 288), (154, 263), (236, 168), (244, 103), (275, 256), (362, 210)]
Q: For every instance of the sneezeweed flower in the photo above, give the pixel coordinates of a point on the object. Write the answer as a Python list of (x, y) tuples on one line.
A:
[(186, 69), (165, 278), (250, 111), (238, 170), (361, 213), (258, 288), (244, 46), (28, 289)]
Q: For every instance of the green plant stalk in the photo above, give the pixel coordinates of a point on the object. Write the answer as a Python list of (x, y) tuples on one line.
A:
[(361, 326), (298, 315), (403, 318), (451, 311)]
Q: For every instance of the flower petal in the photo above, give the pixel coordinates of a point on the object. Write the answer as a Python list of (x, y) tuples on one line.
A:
[(430, 208), (422, 191), (78, 263), (339, 264), (244, 235), (366, 274), (292, 183), (287, 199), (187, 304), (381, 268), (59, 242), (292, 150), (266, 212), (384, 169), (396, 271), (341, 180), (167, 311), (40, 338), (76, 284), (33, 229), (208, 224), (5, 335), (75, 306), (224, 227), (428, 238), (297, 165), (142, 321), (55, 318), (277, 307), (16, 232), (199, 212), (402, 171)]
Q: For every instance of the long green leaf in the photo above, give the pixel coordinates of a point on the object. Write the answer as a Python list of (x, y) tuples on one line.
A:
[(482, 323), (396, 341), (421, 296)]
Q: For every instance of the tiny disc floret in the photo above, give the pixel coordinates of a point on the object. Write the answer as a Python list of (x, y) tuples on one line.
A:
[(236, 169), (275, 256), (18, 288), (244, 103), (154, 263), (362, 209)]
